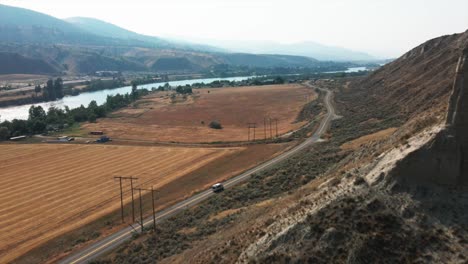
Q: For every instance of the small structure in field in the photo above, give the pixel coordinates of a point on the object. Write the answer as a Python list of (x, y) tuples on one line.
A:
[(96, 133)]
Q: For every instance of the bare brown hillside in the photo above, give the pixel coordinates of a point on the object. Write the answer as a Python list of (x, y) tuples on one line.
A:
[(420, 80)]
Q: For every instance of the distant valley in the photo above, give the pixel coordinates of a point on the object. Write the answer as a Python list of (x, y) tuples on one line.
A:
[(43, 44)]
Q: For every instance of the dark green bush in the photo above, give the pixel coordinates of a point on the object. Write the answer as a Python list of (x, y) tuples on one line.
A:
[(215, 125)]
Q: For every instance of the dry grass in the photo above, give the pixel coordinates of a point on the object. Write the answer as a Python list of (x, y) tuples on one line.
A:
[(47, 190), (355, 144), (21, 77), (156, 118), (223, 214)]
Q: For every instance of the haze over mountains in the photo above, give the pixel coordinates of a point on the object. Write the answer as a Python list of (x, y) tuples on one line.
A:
[(102, 28), (309, 49), (83, 45)]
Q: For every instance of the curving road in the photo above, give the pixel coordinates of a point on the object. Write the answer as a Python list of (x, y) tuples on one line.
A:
[(111, 242)]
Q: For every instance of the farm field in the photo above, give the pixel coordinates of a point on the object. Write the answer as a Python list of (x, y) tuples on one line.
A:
[(157, 117), (48, 190)]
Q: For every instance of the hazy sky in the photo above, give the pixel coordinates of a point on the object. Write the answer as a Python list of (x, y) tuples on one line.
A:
[(380, 27)]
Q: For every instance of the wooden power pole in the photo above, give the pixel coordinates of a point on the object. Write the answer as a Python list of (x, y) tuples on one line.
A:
[(252, 125), (154, 211), (271, 135), (121, 199), (153, 191), (141, 209), (121, 196), (276, 124)]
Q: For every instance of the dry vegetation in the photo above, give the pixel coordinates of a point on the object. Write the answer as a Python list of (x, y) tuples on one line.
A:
[(158, 118), (355, 144), (47, 190)]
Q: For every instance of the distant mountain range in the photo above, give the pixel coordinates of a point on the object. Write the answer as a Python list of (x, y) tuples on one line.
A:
[(85, 45), (101, 28), (308, 49)]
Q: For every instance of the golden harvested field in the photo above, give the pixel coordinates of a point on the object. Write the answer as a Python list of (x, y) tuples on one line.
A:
[(47, 190), (156, 118)]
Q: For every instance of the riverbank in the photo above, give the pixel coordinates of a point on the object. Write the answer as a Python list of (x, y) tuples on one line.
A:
[(100, 96)]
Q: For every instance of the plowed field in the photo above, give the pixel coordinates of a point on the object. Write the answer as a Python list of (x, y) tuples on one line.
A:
[(158, 118), (47, 190)]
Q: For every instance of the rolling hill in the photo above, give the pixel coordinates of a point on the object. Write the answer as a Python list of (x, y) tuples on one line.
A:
[(12, 63), (85, 45), (308, 49), (105, 29)]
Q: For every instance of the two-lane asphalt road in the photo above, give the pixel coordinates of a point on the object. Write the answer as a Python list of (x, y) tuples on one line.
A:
[(105, 245)]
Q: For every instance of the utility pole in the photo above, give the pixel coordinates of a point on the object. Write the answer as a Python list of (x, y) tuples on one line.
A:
[(276, 123), (121, 196), (152, 203), (271, 136), (264, 127), (141, 209), (252, 125), (154, 209), (154, 212), (133, 200)]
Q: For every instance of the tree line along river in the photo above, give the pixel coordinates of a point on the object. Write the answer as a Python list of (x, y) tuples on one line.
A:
[(21, 111)]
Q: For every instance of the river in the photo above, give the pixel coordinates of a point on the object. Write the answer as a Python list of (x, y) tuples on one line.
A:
[(352, 69), (21, 111)]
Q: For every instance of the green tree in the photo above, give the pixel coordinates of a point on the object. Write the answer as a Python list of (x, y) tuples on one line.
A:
[(4, 133), (37, 113), (58, 88), (279, 80), (37, 89), (97, 111), (184, 90), (49, 91), (18, 127), (37, 120), (92, 118), (37, 126), (56, 116)]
